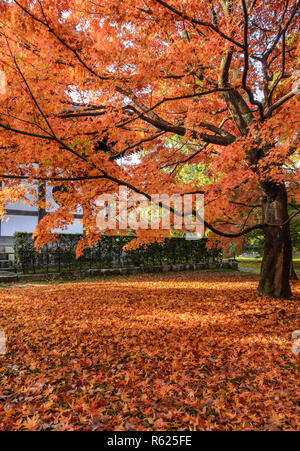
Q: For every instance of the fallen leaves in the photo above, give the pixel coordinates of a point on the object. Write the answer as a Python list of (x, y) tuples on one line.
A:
[(159, 352)]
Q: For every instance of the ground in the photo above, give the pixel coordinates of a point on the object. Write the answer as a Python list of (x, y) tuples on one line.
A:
[(184, 351)]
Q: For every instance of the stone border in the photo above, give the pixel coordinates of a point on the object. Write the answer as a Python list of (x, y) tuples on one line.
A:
[(117, 271)]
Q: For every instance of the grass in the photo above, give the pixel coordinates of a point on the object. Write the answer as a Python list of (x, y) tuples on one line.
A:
[(252, 265)]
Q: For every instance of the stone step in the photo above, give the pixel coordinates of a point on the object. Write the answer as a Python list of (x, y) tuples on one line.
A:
[(6, 277), (11, 269)]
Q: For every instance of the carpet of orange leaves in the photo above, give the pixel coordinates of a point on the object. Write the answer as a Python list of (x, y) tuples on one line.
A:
[(158, 352)]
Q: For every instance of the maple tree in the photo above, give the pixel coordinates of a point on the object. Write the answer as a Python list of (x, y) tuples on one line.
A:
[(208, 83), (155, 352)]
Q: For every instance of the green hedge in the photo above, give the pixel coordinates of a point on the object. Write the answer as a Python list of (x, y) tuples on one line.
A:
[(108, 253)]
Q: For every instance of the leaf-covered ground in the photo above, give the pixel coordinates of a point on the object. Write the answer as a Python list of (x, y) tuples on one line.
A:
[(159, 352)]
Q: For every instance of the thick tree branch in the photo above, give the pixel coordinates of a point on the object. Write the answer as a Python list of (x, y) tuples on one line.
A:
[(181, 131), (281, 101)]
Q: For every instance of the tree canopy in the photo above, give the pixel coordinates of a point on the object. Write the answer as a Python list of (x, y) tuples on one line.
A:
[(208, 83)]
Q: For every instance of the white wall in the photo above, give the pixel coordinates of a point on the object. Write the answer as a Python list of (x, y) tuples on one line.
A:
[(13, 223)]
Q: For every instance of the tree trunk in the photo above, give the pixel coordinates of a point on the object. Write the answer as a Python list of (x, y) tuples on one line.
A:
[(276, 264)]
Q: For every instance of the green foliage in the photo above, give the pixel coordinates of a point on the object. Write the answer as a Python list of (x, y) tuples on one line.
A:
[(108, 253), (295, 234)]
